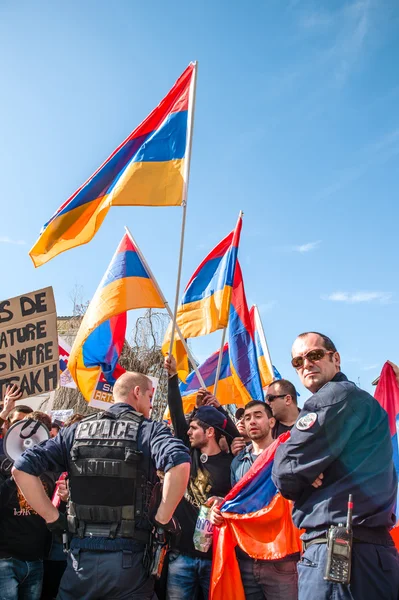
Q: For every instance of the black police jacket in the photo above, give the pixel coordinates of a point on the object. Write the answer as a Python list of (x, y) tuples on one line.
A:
[(343, 433)]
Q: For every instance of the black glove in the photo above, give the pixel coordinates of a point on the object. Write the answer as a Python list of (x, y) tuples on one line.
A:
[(60, 525), (172, 527)]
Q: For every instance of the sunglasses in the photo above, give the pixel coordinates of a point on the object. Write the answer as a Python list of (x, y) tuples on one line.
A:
[(313, 356), (271, 397)]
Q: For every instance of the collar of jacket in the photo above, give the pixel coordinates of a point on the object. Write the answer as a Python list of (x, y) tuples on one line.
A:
[(339, 377)]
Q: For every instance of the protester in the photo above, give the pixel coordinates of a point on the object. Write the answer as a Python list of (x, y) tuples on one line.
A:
[(282, 397), (24, 537), (54, 429), (270, 579), (190, 569), (38, 415), (111, 459), (340, 445)]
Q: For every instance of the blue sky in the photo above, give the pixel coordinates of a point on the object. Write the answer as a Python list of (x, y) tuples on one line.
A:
[(296, 124)]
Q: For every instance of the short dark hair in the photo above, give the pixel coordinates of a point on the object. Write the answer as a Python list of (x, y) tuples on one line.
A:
[(22, 408), (266, 407), (205, 426), (286, 387), (328, 343)]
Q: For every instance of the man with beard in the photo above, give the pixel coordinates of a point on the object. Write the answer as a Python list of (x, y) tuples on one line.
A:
[(190, 569), (270, 579)]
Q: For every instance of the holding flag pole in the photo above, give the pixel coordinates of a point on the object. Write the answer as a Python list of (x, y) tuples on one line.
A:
[(150, 273), (190, 129)]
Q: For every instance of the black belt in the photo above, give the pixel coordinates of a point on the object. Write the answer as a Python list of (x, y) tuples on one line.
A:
[(361, 535), (101, 530)]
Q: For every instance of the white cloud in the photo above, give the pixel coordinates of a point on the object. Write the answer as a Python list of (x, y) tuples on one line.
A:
[(7, 240), (357, 297), (371, 367), (306, 247)]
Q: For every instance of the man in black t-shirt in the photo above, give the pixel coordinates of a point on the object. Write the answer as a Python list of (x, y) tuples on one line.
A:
[(190, 569), (282, 399)]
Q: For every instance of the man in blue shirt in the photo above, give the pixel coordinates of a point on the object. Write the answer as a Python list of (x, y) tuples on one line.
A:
[(340, 445), (111, 459)]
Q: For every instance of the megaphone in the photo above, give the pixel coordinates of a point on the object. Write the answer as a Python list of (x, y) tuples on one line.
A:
[(24, 435)]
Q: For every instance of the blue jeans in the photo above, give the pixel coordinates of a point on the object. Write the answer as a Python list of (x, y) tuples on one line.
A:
[(20, 579), (186, 575), (273, 580), (374, 574)]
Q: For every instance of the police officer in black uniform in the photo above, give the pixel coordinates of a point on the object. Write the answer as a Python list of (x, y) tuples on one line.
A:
[(111, 459), (340, 445)]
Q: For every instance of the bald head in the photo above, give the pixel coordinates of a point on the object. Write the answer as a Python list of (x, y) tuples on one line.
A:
[(134, 389)]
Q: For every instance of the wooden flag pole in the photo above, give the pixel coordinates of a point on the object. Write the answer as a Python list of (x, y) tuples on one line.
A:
[(186, 175), (219, 367), (160, 292)]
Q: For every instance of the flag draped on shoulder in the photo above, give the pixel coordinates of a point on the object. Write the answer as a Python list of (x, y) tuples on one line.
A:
[(227, 390), (258, 520), (387, 394), (262, 351), (206, 300), (241, 339), (148, 169), (126, 285)]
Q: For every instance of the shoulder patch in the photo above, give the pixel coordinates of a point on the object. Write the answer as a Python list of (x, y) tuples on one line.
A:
[(306, 422)]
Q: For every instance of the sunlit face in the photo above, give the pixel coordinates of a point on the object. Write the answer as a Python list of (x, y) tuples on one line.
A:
[(278, 401), (314, 375), (143, 400), (257, 423), (197, 436)]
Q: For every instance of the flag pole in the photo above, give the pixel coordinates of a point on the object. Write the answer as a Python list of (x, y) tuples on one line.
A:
[(160, 292), (186, 176), (263, 341), (219, 367)]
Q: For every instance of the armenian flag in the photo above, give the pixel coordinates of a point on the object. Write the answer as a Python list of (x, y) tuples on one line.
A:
[(206, 301), (126, 285), (258, 520), (227, 392), (150, 168), (262, 351), (387, 394), (243, 359)]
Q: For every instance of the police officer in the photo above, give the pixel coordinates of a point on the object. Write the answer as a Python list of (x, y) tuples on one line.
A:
[(111, 459), (340, 445)]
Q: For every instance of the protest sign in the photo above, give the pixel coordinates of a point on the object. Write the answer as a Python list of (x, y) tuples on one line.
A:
[(28, 343), (61, 414), (65, 377), (102, 395)]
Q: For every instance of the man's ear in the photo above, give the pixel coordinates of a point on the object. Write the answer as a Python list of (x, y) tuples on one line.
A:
[(210, 432), (272, 422), (337, 360)]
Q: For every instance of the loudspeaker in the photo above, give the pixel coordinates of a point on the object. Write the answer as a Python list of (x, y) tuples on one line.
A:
[(23, 435)]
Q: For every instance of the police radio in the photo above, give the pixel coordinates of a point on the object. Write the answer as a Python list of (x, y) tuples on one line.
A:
[(339, 550)]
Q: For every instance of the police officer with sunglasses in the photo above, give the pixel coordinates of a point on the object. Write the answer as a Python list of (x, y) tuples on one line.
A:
[(340, 445)]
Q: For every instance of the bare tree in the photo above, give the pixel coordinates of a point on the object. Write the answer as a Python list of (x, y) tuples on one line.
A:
[(142, 354)]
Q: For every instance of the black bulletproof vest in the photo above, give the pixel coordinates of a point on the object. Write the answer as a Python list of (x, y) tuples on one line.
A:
[(106, 483)]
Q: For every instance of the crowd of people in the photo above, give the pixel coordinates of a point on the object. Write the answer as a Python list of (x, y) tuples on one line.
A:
[(86, 513)]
